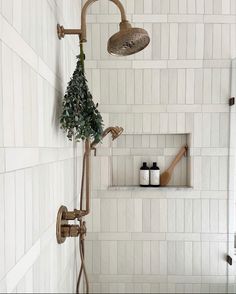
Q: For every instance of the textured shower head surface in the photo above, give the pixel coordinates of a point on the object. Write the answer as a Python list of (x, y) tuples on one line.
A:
[(128, 40)]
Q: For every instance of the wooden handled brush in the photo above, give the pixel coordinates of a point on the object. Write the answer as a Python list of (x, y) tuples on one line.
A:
[(166, 176)]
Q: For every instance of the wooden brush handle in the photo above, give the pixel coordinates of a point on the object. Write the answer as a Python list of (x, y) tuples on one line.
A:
[(181, 153)]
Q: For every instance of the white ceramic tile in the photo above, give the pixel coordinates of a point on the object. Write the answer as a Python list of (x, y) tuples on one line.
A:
[(196, 258), (156, 45), (16, 14), (147, 76), (163, 123), (200, 6), (180, 256), (214, 173), (181, 86), (191, 6), (197, 130), (164, 41), (17, 273), (205, 258), (197, 215), (8, 98), (10, 205), (188, 257), (164, 90), (208, 48), (138, 86), (171, 215), (207, 86), (20, 224), (206, 134), (7, 10), (215, 133), (173, 85), (190, 86), (137, 215), (188, 206), (182, 45), (180, 216), (173, 41), (199, 41), (146, 257), (191, 39), (2, 225), (17, 158), (155, 215), (223, 178), (171, 258), (113, 92), (213, 258), (222, 216), (216, 41), (163, 215), (214, 216)]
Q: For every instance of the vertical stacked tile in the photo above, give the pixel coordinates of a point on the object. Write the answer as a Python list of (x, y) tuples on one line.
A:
[(36, 160), (173, 240)]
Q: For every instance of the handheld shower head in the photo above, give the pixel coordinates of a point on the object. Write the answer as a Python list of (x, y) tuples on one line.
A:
[(128, 40), (115, 133)]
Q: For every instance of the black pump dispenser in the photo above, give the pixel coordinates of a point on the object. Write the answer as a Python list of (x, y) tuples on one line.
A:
[(144, 175), (154, 175)]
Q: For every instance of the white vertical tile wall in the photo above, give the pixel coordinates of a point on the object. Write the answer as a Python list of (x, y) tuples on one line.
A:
[(167, 240), (36, 160)]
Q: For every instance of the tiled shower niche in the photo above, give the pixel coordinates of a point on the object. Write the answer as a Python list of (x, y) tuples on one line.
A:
[(130, 151)]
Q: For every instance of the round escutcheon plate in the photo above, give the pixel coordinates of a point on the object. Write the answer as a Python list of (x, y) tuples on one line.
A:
[(60, 223)]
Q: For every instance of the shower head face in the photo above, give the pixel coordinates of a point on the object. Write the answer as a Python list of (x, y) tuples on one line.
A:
[(128, 41), (116, 132)]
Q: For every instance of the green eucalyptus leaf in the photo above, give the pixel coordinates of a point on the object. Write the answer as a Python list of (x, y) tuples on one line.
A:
[(80, 117)]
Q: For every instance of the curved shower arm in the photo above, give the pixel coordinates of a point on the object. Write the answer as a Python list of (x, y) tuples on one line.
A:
[(82, 32), (83, 35)]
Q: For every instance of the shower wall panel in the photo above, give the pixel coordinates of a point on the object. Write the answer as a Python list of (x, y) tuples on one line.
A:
[(169, 240), (36, 161)]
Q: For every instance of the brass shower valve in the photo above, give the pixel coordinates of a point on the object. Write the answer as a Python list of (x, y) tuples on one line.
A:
[(73, 230), (64, 229)]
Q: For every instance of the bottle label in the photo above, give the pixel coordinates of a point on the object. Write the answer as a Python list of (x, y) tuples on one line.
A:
[(144, 177), (155, 177)]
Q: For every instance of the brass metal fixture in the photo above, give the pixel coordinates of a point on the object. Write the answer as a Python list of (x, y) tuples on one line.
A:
[(127, 41), (115, 133), (63, 228)]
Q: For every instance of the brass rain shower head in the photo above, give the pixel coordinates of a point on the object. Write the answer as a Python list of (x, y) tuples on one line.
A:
[(126, 42)]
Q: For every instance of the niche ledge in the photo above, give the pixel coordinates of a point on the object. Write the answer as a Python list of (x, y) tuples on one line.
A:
[(149, 189)]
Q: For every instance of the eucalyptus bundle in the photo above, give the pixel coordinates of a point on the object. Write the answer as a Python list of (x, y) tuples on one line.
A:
[(80, 117)]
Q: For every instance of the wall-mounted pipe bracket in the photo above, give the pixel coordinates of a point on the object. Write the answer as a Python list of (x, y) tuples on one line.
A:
[(61, 31), (64, 229)]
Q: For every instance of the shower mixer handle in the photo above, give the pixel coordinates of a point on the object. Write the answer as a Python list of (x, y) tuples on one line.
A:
[(75, 214), (73, 230)]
